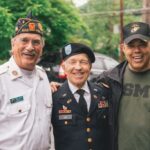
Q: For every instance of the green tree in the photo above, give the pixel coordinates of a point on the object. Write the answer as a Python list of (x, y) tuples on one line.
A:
[(101, 16), (6, 30), (61, 21)]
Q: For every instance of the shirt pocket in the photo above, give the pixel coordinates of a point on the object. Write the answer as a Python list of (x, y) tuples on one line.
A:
[(19, 108), (102, 113)]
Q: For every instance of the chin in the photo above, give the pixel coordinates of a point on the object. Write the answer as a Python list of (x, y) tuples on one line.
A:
[(137, 68), (78, 84)]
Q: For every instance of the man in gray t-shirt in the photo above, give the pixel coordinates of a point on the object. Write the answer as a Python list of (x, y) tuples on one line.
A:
[(130, 85)]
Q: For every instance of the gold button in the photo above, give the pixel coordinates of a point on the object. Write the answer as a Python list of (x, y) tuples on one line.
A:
[(19, 110), (66, 122), (88, 119), (89, 140), (88, 129)]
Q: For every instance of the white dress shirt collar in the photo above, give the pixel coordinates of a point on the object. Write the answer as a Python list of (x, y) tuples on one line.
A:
[(73, 88)]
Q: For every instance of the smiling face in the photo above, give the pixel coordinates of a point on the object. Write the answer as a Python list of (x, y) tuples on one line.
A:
[(137, 53), (26, 50), (77, 69)]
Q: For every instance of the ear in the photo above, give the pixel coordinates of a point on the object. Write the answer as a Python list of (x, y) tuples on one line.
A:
[(63, 65), (121, 46), (12, 42), (90, 65)]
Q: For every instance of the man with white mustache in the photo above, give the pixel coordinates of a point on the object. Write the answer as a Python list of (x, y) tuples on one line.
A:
[(25, 96), (80, 108), (130, 85)]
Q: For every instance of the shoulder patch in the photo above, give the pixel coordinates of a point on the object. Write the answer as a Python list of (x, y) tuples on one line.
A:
[(3, 68)]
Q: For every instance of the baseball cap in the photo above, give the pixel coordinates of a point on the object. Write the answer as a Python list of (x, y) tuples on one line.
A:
[(136, 30)]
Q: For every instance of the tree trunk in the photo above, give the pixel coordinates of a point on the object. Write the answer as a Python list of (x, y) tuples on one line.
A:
[(146, 11)]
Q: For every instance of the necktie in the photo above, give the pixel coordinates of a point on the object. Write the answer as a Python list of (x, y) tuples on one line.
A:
[(82, 102)]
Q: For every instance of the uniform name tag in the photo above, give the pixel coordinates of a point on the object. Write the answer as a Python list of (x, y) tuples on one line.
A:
[(16, 99), (65, 117)]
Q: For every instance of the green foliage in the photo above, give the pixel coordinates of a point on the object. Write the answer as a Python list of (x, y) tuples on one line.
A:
[(2, 61), (61, 21), (6, 28), (101, 19), (92, 24)]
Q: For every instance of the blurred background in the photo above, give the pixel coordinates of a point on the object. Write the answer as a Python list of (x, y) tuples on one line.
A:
[(97, 23)]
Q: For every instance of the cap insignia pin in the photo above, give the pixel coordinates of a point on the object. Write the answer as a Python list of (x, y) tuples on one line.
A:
[(134, 28), (68, 49)]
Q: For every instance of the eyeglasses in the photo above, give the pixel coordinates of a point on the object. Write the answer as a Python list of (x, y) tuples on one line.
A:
[(81, 62), (25, 41), (140, 45)]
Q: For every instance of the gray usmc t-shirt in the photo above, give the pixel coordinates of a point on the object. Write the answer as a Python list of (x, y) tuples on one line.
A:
[(134, 112)]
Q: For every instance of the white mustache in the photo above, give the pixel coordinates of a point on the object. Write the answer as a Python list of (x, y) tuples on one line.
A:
[(33, 53)]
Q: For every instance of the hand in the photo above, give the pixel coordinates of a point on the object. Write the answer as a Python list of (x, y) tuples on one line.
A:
[(54, 86)]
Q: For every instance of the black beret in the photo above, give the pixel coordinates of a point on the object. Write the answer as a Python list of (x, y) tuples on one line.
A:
[(77, 48), (28, 25), (136, 30)]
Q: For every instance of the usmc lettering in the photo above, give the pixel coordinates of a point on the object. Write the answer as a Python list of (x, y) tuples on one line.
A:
[(136, 90)]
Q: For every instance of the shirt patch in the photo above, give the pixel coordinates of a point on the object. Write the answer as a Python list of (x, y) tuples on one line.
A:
[(65, 117), (103, 104), (16, 99)]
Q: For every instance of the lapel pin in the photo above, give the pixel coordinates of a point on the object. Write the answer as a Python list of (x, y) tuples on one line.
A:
[(64, 94), (69, 101), (95, 96), (95, 90), (64, 107)]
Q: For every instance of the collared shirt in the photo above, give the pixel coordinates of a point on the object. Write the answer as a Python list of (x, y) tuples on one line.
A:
[(28, 76), (25, 109), (87, 94)]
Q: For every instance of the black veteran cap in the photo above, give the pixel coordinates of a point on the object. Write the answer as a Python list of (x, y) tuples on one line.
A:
[(136, 30), (77, 48), (28, 25)]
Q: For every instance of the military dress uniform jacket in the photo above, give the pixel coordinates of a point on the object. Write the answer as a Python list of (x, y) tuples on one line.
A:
[(25, 109), (72, 130)]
